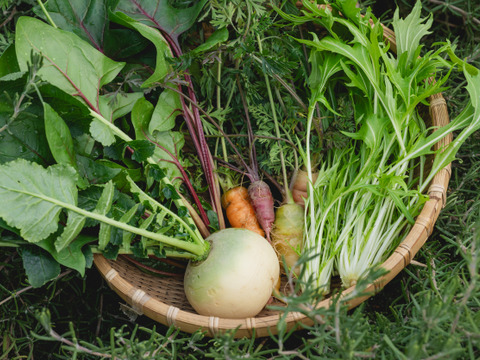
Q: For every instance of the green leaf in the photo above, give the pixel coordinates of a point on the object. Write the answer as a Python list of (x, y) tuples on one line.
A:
[(142, 149), (112, 107), (59, 138), (169, 142), (123, 43), (218, 37), (32, 196), (39, 266), (8, 62), (70, 63), (104, 205), (96, 171), (162, 67), (141, 115), (25, 137), (87, 19), (409, 31), (167, 108), (72, 256), (75, 223), (161, 15)]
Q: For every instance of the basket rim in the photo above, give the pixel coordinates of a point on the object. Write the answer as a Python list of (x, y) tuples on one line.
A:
[(263, 326)]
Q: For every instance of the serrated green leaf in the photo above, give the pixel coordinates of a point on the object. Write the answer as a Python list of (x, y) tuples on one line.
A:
[(32, 196), (96, 172), (410, 31)]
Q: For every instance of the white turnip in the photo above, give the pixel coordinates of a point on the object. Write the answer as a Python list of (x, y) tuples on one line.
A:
[(236, 279)]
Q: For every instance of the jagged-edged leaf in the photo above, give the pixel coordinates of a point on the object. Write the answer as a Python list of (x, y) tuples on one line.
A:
[(33, 197), (409, 31), (39, 266), (142, 149), (70, 63), (59, 138)]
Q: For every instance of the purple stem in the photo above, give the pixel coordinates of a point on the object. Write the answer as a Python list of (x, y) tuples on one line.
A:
[(184, 178), (194, 123)]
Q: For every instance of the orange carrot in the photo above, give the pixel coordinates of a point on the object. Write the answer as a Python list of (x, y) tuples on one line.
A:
[(240, 213), (300, 185)]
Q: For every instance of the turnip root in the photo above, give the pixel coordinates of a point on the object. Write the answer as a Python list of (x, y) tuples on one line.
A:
[(262, 202), (236, 279), (287, 234)]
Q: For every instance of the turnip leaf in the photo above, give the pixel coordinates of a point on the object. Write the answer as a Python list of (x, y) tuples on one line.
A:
[(32, 196), (75, 224), (112, 107)]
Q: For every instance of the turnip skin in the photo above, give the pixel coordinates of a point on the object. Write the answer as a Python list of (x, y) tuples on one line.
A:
[(236, 279)]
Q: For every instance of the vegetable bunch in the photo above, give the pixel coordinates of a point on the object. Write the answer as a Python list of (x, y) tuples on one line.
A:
[(133, 146)]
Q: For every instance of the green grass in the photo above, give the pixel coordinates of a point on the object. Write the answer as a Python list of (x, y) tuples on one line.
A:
[(429, 311)]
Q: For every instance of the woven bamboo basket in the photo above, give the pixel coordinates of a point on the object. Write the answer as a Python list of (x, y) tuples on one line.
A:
[(162, 298)]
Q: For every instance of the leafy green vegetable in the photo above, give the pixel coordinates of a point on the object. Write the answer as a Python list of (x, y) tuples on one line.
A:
[(88, 20), (59, 138), (39, 266), (162, 15), (70, 63)]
